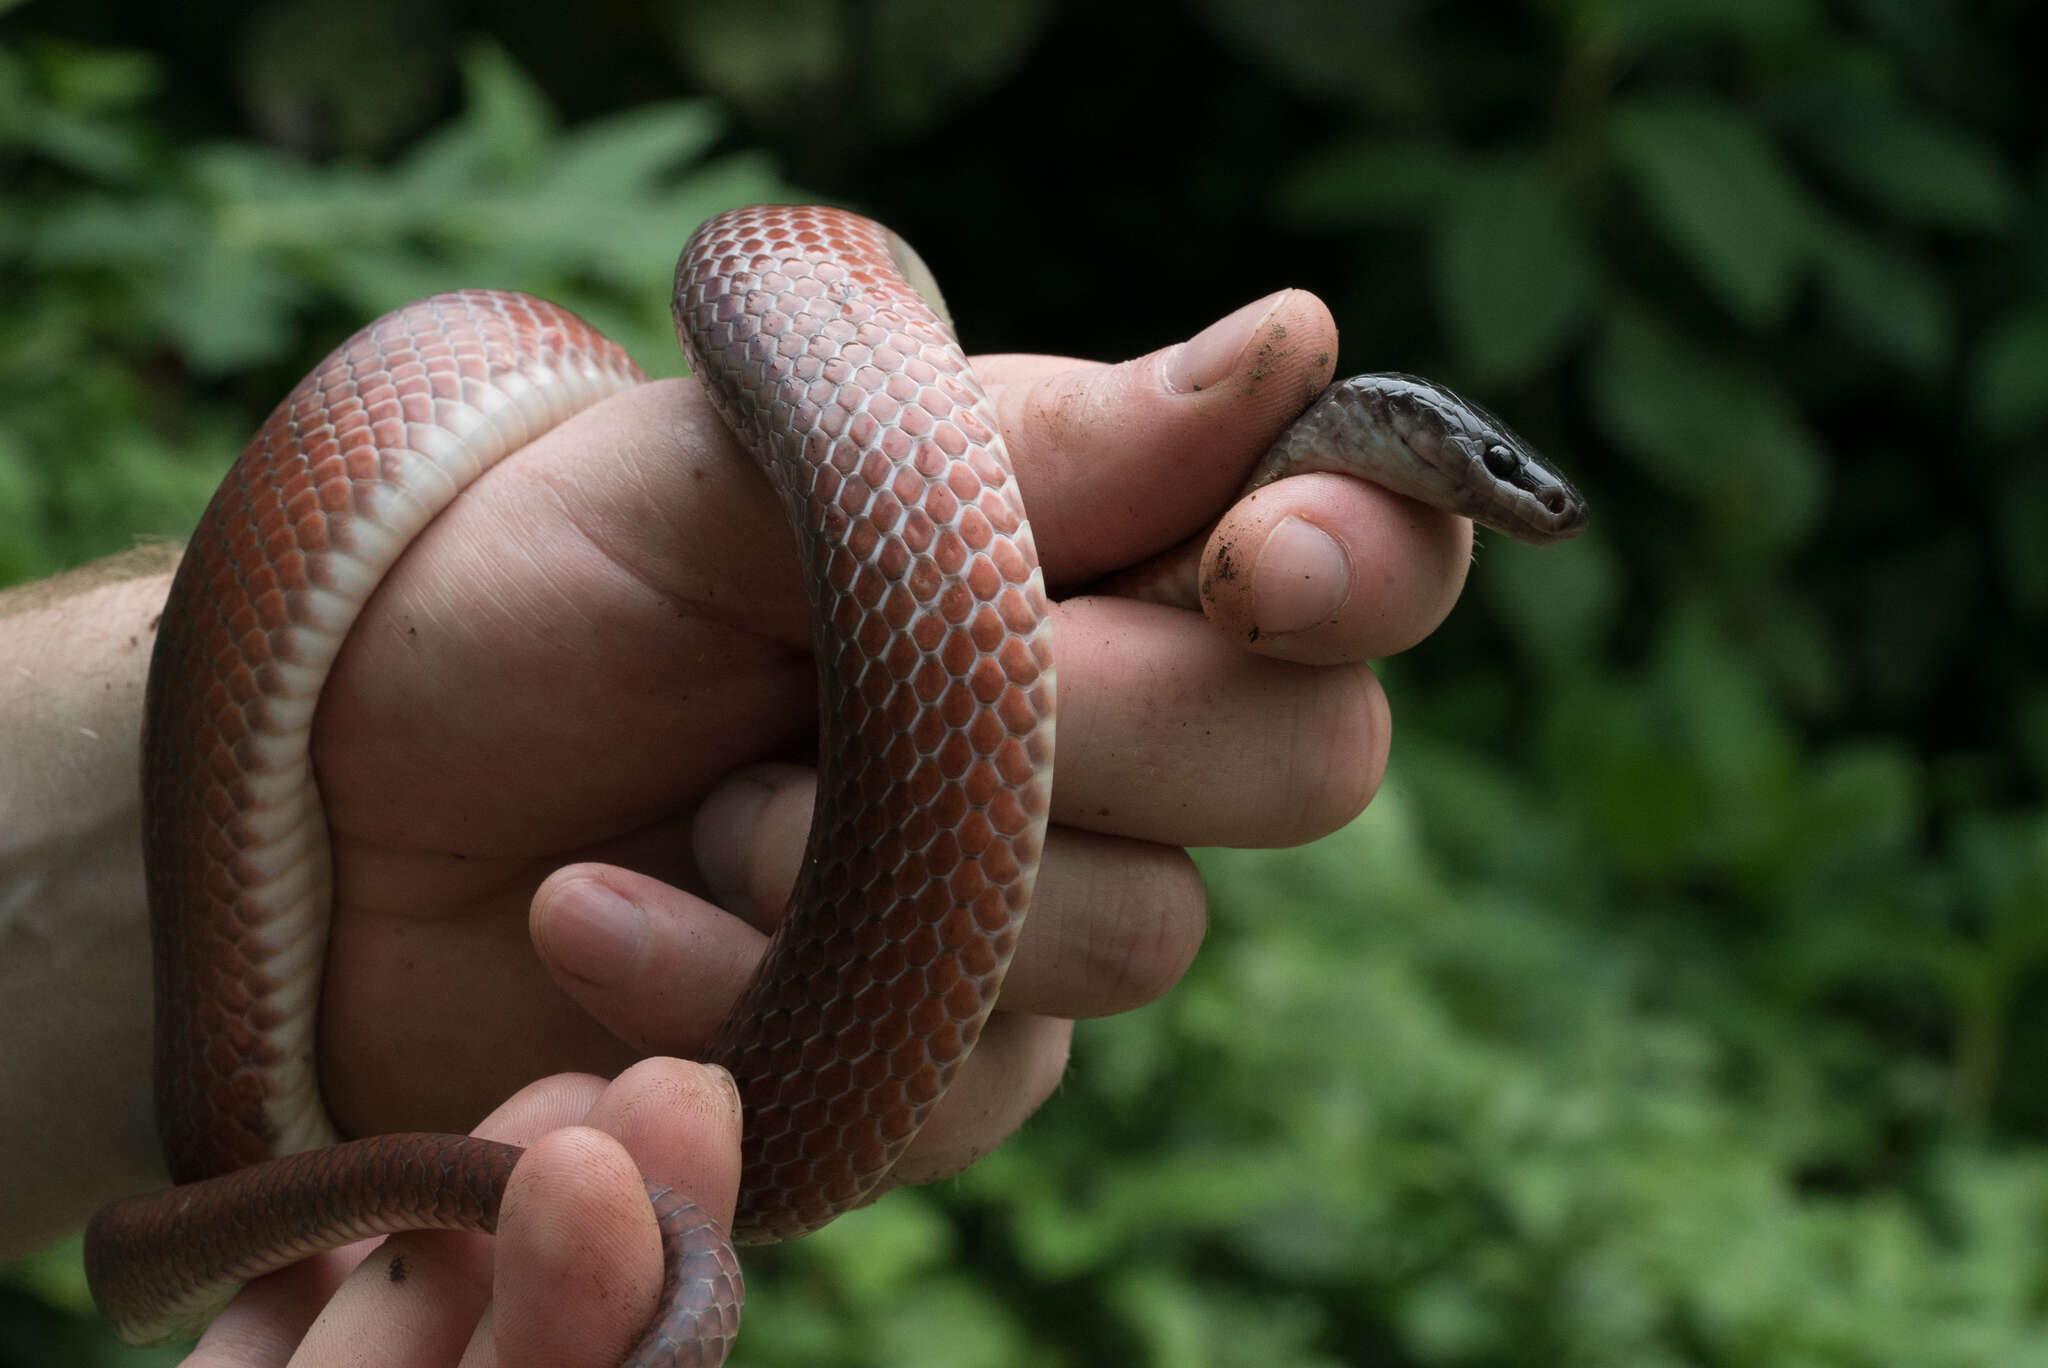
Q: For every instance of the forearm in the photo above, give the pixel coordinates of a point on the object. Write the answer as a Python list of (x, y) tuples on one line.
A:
[(74, 946)]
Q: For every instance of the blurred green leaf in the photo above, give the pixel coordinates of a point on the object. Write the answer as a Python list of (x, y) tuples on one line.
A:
[(2009, 376), (1657, 22), (1723, 197), (1711, 430), (932, 60), (1557, 603), (1889, 301), (226, 312), (949, 1323), (507, 113), (1316, 44), (758, 55), (2021, 506), (885, 1249), (1909, 164), (626, 155), (64, 102), (223, 263), (1513, 271), (342, 76), (93, 80), (1373, 181), (1858, 805), (890, 65)]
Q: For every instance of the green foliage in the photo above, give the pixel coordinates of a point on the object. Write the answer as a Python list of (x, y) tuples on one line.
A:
[(164, 294), (1680, 998)]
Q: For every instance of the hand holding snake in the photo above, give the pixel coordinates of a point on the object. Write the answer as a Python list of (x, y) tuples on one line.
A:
[(1126, 812)]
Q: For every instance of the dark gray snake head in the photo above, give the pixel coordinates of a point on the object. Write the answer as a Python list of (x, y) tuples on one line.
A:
[(1418, 438)]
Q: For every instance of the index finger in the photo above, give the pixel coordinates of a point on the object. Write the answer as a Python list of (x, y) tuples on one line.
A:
[(1120, 462)]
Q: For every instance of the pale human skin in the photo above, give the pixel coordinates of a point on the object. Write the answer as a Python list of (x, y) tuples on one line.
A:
[(458, 856)]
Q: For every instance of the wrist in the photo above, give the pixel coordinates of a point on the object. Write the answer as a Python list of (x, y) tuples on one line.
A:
[(74, 944)]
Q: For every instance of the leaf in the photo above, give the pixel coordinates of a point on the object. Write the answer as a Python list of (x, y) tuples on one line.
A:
[(895, 64), (227, 311), (1912, 166), (1887, 299), (920, 61), (1657, 23), (305, 70), (1514, 276), (1319, 47), (1711, 430), (56, 106), (1557, 602), (1722, 196), (623, 156), (2020, 508), (760, 56), (93, 80), (1859, 803), (2009, 381), (21, 555), (881, 1251), (1372, 180), (511, 116)]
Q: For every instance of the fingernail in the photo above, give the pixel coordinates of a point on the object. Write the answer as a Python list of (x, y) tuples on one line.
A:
[(594, 934), (1302, 578), (1210, 355)]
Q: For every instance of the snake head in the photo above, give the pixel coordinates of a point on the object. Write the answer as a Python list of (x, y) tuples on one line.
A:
[(1469, 461), (1545, 507)]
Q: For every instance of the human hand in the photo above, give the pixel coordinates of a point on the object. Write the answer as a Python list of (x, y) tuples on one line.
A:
[(573, 1274), (573, 660)]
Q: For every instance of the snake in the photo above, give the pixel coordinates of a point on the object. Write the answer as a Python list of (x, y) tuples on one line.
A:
[(825, 346)]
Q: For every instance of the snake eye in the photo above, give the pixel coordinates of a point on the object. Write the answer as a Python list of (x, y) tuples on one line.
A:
[(1501, 461)]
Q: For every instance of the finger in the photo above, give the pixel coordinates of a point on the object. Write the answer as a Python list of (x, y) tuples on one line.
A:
[(416, 1297), (413, 1299), (680, 1121), (543, 1105), (1114, 925), (1168, 734), (1120, 462), (1114, 922), (654, 965), (578, 1258), (1325, 569), (266, 1321)]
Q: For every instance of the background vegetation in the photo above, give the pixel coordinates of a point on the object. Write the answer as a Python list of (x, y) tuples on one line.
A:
[(1683, 997)]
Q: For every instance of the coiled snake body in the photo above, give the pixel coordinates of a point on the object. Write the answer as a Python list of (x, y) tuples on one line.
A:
[(936, 699)]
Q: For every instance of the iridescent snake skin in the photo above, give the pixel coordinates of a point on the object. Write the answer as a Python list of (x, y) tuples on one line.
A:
[(936, 702)]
